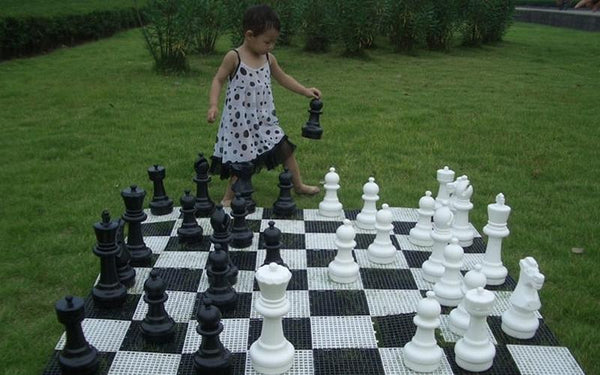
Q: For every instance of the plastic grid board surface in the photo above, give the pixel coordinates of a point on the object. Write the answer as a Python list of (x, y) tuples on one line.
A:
[(356, 328)]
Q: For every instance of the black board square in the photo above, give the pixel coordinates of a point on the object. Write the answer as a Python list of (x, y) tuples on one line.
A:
[(124, 312), (321, 226), (363, 240), (268, 213), (241, 309), (174, 245), (320, 258), (542, 336), (160, 228), (244, 260), (288, 241), (186, 364), (509, 285), (105, 360), (145, 263), (180, 279), (415, 259), (296, 330), (403, 227), (338, 302), (135, 341), (254, 225), (373, 278), (503, 364), (394, 330), (478, 246), (351, 214), (347, 362)]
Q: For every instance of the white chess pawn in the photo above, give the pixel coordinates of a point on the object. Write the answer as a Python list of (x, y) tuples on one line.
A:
[(422, 353), (444, 176), (343, 269), (520, 320), (420, 235), (272, 353), (496, 230), (366, 218), (475, 351), (331, 205), (382, 250), (433, 268), (459, 317), (448, 289), (461, 205)]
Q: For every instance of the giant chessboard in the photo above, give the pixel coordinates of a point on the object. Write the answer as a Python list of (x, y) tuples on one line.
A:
[(344, 329)]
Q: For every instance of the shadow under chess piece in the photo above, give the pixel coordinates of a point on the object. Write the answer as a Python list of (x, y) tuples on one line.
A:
[(204, 205), (284, 205), (312, 129), (244, 171), (212, 357), (240, 232), (134, 216), (124, 270), (189, 232), (161, 204), (157, 326)]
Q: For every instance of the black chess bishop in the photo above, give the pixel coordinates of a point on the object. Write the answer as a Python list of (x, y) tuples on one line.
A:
[(212, 357), (272, 238), (240, 232)]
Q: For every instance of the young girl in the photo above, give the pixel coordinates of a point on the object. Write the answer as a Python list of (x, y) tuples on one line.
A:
[(249, 129)]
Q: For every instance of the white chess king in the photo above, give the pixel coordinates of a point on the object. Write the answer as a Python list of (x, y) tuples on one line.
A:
[(496, 230)]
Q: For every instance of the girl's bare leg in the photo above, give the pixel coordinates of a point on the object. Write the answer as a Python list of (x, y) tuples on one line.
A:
[(299, 187), (229, 194)]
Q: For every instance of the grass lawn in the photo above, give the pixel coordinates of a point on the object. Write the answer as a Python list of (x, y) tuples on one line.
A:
[(79, 125), (60, 7)]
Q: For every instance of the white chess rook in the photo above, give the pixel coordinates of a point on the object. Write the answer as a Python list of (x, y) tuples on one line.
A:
[(433, 268), (496, 230), (382, 250), (475, 351), (343, 269), (366, 218), (520, 320), (420, 234), (422, 353), (461, 205), (272, 353), (331, 206), (444, 176), (459, 317), (448, 290)]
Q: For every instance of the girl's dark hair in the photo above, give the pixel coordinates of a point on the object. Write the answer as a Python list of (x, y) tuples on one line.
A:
[(260, 18)]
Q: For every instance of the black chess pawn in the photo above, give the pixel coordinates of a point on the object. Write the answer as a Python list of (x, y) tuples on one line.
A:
[(212, 357), (272, 238), (204, 205), (284, 205), (190, 231), (221, 225), (78, 357), (161, 204), (124, 270), (220, 290), (312, 129), (240, 232), (134, 216), (108, 292), (244, 171), (157, 326)]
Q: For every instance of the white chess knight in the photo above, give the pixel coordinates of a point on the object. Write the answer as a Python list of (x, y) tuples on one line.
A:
[(420, 235), (459, 317), (496, 230), (433, 268), (448, 289), (422, 353), (343, 269), (462, 190), (366, 218), (331, 205), (444, 176), (382, 250), (520, 320), (272, 353)]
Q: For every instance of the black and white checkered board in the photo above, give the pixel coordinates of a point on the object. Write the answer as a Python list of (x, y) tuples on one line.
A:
[(357, 328)]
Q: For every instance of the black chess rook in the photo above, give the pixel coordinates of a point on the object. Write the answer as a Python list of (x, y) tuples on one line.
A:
[(189, 232), (161, 204), (204, 205), (212, 357), (134, 216), (243, 185), (312, 129), (240, 232), (285, 206), (157, 325)]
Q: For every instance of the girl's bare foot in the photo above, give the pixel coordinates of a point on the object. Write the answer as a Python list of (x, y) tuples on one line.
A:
[(307, 190), (226, 202)]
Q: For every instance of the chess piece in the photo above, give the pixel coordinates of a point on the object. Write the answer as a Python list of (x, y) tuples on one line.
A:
[(382, 250), (331, 206), (124, 270), (108, 292), (134, 216), (161, 204), (212, 357), (204, 205), (366, 218), (220, 291), (284, 205), (343, 269), (461, 205), (475, 351), (433, 268), (189, 232), (444, 176), (520, 320), (244, 171), (241, 235), (459, 317), (496, 230), (420, 235), (272, 353), (78, 357), (448, 289), (312, 129), (157, 326), (272, 238), (422, 353), (221, 225)]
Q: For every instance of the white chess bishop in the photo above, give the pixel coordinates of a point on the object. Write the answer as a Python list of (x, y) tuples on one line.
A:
[(331, 205), (343, 269), (382, 250), (520, 320), (422, 353), (366, 218), (433, 268), (444, 176), (420, 235), (272, 353), (448, 289), (496, 230), (459, 317), (461, 205)]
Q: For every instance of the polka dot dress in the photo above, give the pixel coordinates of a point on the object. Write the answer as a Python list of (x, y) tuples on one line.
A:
[(249, 126)]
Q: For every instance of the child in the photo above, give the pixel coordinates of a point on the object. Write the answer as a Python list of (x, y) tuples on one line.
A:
[(249, 129)]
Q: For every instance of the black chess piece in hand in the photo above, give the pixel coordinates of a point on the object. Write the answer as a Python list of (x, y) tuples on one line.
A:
[(312, 129)]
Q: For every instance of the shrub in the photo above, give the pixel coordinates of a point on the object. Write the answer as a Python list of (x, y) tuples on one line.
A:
[(205, 21), (355, 24), (485, 21), (407, 22), (317, 25), (444, 21), (289, 15), (235, 16), (499, 20)]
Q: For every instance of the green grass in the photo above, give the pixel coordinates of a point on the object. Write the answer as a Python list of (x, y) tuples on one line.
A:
[(60, 7), (79, 125)]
